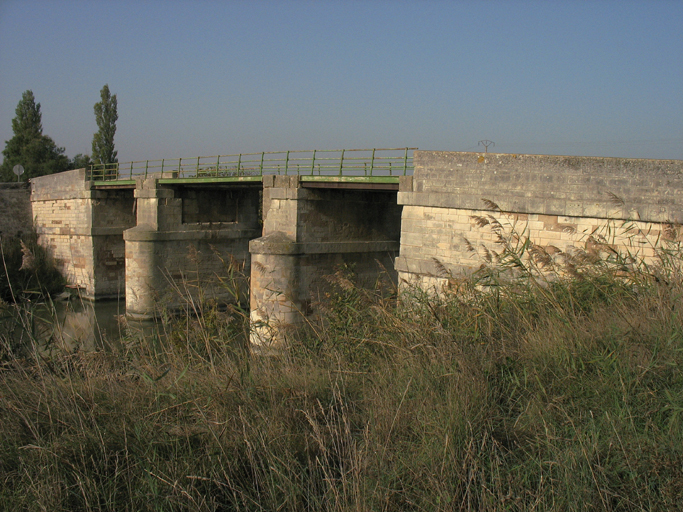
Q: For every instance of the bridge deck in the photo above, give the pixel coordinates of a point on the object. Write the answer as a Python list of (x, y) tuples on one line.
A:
[(336, 182)]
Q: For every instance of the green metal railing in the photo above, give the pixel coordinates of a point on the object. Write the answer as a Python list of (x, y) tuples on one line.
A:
[(338, 162)]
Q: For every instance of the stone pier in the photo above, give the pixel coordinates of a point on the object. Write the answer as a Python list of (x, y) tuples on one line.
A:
[(309, 233)]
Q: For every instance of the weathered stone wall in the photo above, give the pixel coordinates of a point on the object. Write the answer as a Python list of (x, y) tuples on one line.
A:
[(15, 209), (83, 229), (288, 278), (307, 235), (173, 256), (113, 211), (558, 202), (62, 211)]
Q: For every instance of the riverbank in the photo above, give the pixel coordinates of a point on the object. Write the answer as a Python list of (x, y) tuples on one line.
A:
[(509, 392)]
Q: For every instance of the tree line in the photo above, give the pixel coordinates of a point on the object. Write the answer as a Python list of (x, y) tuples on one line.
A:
[(38, 154)]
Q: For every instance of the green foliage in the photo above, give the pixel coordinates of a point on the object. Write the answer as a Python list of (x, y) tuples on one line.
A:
[(28, 120), (106, 116), (29, 147), (80, 161)]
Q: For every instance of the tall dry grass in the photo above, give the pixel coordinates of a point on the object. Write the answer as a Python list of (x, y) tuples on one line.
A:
[(515, 391)]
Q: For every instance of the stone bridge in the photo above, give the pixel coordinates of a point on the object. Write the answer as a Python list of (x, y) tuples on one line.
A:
[(160, 239)]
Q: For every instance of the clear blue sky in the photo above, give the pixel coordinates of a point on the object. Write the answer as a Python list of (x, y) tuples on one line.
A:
[(215, 77)]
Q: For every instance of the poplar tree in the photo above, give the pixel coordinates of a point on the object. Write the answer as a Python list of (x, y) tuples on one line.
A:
[(37, 153), (103, 141)]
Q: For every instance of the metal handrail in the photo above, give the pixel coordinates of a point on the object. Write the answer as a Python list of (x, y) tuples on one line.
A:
[(328, 162)]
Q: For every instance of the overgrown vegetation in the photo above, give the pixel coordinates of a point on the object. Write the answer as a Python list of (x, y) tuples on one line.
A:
[(525, 387)]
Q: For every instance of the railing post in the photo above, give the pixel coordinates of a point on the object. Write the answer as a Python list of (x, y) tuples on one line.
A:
[(372, 161), (218, 164), (197, 171), (313, 162), (239, 163), (263, 154), (146, 167), (162, 167), (180, 173), (405, 163), (287, 163), (341, 163)]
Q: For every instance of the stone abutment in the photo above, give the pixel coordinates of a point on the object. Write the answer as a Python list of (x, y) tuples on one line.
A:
[(558, 202)]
